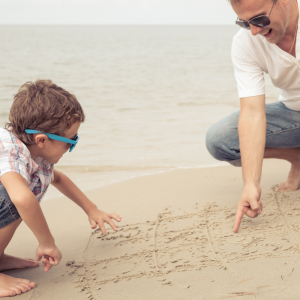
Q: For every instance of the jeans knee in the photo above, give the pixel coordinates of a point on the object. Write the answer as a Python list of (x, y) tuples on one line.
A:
[(222, 141), (213, 143)]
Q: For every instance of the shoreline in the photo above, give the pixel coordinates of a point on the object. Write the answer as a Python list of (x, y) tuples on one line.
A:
[(54, 193)]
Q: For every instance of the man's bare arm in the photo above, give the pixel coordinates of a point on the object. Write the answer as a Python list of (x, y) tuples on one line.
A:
[(252, 136)]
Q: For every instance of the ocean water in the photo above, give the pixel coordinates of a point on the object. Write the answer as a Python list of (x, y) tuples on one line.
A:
[(149, 92)]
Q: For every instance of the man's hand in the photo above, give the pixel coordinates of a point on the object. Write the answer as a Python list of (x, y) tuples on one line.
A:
[(249, 205), (99, 217), (51, 256)]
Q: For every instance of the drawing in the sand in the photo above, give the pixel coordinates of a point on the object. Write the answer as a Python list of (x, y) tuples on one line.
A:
[(177, 242)]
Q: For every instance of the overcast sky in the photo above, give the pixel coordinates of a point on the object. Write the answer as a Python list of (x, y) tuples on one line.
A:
[(116, 12)]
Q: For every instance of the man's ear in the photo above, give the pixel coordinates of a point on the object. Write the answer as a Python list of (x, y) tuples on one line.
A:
[(284, 2), (40, 140)]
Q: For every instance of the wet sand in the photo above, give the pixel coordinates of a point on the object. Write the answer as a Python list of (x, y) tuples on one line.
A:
[(175, 241)]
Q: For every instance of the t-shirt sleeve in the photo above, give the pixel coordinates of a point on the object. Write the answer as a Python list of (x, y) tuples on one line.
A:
[(248, 74), (12, 161)]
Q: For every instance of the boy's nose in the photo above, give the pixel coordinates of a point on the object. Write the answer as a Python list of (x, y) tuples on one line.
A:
[(255, 30)]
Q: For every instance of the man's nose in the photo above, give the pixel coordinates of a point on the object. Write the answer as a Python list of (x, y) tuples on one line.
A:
[(255, 30)]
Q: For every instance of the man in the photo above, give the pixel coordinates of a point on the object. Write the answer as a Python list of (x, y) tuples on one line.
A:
[(262, 130)]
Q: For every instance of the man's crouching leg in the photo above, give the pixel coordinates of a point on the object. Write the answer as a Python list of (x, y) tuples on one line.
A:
[(222, 140), (282, 140), (292, 155)]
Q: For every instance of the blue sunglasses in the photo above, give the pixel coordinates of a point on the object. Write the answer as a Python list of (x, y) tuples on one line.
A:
[(51, 136)]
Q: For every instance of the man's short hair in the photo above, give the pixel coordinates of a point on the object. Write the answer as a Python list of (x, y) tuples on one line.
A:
[(238, 1), (43, 106)]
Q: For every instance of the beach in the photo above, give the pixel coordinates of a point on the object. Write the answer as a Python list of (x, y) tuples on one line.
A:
[(175, 241), (150, 93)]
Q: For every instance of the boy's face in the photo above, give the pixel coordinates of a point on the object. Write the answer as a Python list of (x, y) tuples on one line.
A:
[(53, 150)]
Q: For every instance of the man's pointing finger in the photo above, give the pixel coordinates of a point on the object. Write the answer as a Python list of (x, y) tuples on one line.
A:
[(238, 218)]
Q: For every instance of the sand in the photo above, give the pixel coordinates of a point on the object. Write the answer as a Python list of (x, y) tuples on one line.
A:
[(175, 241)]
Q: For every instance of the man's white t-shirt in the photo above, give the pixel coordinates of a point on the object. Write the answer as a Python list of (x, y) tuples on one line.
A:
[(254, 55)]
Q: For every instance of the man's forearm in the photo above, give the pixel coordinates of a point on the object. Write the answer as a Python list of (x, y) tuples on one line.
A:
[(252, 137)]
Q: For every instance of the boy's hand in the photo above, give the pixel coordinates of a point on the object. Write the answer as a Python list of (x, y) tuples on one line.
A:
[(51, 256), (99, 217)]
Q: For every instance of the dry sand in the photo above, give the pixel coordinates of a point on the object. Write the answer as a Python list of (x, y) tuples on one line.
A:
[(175, 241)]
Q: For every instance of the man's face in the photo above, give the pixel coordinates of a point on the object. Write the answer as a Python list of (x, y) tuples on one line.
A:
[(247, 9)]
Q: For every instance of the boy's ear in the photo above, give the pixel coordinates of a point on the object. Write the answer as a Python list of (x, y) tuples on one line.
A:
[(40, 140)]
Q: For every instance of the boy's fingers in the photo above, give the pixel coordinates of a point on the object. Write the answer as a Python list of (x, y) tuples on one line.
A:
[(52, 261), (47, 268), (102, 228), (117, 217), (111, 223), (37, 257), (114, 216), (46, 259), (93, 223)]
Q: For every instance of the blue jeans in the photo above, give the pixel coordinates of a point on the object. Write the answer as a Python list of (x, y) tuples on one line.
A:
[(283, 131), (8, 211)]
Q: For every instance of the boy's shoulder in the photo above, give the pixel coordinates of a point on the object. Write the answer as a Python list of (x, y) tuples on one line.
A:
[(8, 141), (15, 156)]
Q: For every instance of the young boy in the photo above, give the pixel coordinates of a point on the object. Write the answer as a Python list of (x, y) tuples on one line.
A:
[(44, 122)]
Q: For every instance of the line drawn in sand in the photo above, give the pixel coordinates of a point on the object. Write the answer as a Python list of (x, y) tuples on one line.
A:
[(211, 242), (182, 242), (293, 211), (286, 224)]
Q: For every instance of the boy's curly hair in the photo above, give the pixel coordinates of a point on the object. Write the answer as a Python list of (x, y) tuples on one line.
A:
[(43, 106)]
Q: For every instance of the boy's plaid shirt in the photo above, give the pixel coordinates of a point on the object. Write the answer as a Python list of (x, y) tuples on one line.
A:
[(15, 157)]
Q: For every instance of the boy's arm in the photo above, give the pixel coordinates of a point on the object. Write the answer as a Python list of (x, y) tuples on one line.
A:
[(31, 213), (66, 186)]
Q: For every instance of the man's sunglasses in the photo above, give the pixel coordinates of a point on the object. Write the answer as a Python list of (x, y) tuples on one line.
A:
[(260, 21), (51, 136)]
